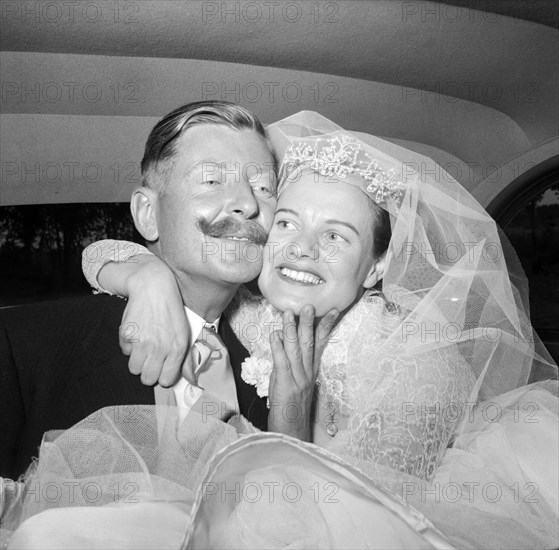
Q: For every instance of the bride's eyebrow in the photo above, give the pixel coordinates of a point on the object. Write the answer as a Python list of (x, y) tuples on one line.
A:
[(346, 224), (286, 211)]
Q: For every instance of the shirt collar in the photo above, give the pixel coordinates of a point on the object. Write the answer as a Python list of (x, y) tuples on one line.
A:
[(197, 323)]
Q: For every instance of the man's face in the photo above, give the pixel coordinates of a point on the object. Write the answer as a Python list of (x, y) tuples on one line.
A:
[(218, 204)]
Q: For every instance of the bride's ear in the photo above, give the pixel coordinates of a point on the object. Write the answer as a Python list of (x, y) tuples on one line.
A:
[(376, 273), (143, 207)]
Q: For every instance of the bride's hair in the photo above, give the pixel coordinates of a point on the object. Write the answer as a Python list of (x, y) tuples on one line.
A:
[(381, 229)]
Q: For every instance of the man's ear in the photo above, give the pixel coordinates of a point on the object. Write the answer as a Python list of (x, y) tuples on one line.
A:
[(143, 206), (376, 273)]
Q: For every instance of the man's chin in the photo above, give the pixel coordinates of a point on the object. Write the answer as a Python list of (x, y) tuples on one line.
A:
[(239, 272)]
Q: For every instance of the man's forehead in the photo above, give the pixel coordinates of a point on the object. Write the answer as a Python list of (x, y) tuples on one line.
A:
[(221, 148), (226, 139)]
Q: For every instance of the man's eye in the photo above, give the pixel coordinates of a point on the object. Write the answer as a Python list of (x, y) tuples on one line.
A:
[(263, 190), (211, 182)]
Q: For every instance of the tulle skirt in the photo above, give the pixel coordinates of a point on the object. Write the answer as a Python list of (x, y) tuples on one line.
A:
[(498, 486), (133, 477)]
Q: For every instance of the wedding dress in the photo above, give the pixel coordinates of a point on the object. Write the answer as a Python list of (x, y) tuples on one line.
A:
[(428, 433)]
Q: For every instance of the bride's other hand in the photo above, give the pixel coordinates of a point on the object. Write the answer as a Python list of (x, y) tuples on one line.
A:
[(296, 351), (154, 330)]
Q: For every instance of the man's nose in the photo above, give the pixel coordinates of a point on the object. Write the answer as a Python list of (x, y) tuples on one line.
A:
[(242, 201)]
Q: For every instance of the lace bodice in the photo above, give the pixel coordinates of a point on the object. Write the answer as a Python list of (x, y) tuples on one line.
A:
[(400, 410), (253, 319)]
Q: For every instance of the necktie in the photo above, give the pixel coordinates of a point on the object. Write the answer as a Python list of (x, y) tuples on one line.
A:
[(214, 376)]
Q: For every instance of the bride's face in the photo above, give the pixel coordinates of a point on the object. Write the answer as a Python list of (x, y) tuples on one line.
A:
[(320, 248)]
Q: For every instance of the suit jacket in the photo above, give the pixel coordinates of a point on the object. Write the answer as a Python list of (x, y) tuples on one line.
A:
[(61, 361)]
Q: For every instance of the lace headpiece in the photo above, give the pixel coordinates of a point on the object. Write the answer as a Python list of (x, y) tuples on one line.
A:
[(340, 156)]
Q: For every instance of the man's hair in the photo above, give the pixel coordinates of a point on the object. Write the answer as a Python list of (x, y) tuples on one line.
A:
[(161, 143)]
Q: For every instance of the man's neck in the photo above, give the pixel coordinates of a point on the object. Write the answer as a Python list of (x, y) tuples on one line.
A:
[(206, 298)]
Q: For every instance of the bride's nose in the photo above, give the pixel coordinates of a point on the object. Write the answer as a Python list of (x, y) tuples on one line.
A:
[(308, 245)]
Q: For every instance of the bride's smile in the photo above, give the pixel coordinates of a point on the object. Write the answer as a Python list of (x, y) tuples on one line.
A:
[(297, 276)]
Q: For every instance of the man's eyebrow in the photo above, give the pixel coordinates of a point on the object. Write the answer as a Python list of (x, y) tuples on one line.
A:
[(193, 167), (346, 224), (267, 167)]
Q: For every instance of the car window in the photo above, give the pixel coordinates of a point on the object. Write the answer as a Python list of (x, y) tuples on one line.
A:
[(41, 246)]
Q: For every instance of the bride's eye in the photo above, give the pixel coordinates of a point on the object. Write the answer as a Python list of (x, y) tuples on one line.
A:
[(285, 224), (334, 237)]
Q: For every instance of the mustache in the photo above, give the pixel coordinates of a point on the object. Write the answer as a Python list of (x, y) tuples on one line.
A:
[(229, 227)]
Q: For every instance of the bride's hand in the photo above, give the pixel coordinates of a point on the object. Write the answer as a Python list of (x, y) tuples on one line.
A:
[(154, 330), (296, 357)]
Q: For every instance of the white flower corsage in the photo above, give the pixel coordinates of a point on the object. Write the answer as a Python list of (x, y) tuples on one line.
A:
[(256, 371)]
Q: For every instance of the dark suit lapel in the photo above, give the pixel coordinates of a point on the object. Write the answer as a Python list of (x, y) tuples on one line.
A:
[(251, 406)]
